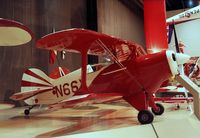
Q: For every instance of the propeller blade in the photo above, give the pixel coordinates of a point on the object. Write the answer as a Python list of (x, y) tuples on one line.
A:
[(182, 58)]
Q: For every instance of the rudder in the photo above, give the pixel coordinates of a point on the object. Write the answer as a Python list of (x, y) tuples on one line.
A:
[(34, 79)]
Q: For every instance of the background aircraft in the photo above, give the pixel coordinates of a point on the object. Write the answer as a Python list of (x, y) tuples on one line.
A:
[(14, 33)]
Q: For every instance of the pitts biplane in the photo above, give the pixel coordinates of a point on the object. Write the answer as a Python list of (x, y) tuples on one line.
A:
[(133, 75)]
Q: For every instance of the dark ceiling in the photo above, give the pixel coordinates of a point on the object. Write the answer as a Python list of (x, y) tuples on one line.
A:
[(180, 4), (137, 5)]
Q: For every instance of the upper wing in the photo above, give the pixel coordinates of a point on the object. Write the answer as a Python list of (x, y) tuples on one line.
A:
[(14, 33), (93, 42)]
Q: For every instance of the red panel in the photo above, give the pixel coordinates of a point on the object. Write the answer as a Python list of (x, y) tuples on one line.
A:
[(55, 74), (155, 25), (138, 101), (32, 84)]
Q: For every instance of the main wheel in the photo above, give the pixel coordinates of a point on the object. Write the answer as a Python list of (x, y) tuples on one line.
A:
[(145, 117), (26, 111), (160, 110)]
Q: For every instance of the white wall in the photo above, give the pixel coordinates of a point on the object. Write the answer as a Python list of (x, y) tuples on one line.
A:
[(189, 34)]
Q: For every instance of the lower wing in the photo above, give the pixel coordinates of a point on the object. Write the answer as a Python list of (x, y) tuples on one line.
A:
[(87, 99)]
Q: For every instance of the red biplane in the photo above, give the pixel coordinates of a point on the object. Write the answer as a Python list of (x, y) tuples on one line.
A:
[(133, 75)]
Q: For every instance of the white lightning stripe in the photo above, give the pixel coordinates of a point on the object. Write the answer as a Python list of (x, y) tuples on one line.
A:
[(30, 78), (76, 97), (93, 75), (114, 71), (40, 73)]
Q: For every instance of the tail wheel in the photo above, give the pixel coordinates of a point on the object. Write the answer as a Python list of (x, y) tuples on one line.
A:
[(178, 106), (160, 109), (145, 117), (26, 111)]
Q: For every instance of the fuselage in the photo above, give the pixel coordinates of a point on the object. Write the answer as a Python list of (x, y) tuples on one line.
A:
[(64, 87), (143, 73)]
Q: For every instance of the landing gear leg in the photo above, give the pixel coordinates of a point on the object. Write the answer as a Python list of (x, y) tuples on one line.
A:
[(27, 111)]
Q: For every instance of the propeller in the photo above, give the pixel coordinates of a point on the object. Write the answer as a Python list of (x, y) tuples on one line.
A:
[(181, 58)]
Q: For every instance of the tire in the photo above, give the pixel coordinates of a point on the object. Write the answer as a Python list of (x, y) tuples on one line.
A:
[(26, 112), (160, 110), (145, 117)]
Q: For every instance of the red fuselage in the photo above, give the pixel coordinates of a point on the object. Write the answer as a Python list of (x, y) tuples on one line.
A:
[(143, 74)]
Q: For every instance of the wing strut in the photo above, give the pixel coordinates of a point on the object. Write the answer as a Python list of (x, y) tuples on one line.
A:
[(101, 44), (83, 72), (176, 39)]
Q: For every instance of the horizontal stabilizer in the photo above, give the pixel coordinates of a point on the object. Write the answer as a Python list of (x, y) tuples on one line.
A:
[(25, 95)]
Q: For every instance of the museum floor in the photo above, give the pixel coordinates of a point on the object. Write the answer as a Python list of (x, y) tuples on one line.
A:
[(98, 121)]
